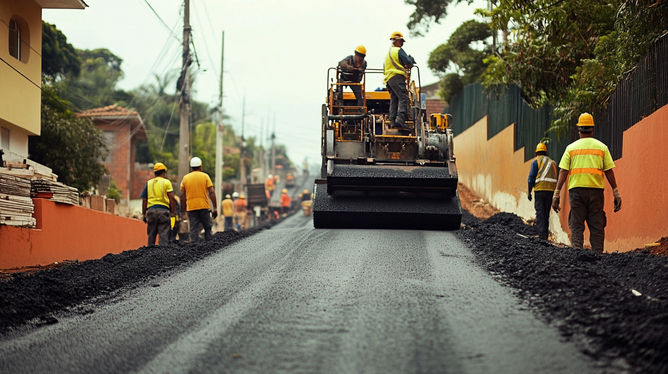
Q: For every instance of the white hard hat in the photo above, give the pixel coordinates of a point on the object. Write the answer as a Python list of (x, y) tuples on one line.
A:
[(227, 196), (235, 195), (195, 162), (270, 176)]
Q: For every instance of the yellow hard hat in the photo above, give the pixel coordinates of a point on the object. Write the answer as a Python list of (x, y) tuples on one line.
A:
[(305, 191), (361, 50), (159, 166), (285, 190), (586, 120), (397, 36), (541, 147), (242, 197)]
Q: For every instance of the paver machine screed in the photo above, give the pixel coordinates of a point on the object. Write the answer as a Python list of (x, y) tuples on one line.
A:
[(373, 176)]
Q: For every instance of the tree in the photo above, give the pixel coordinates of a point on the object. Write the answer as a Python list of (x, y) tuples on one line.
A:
[(428, 11), (59, 58), (71, 146), (458, 55)]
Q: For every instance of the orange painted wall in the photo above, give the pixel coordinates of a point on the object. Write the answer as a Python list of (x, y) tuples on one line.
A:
[(66, 232), (493, 170)]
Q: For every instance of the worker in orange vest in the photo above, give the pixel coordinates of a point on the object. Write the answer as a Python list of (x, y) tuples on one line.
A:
[(285, 202), (269, 185)]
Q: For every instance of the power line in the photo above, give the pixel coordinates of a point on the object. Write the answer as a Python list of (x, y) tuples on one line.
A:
[(161, 21)]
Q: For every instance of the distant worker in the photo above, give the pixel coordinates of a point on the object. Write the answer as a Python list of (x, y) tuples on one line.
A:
[(269, 185), (235, 195), (543, 180), (228, 213), (196, 191), (352, 70), (240, 213), (177, 220), (397, 68), (285, 202), (585, 162), (158, 205), (306, 196)]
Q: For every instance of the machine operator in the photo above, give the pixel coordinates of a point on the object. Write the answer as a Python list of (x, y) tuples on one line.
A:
[(352, 70)]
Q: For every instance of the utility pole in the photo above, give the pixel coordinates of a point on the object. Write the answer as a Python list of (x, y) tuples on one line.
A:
[(273, 148), (219, 133), (184, 105), (262, 150), (242, 164)]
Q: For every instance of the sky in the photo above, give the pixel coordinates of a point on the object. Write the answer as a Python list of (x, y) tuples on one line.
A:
[(276, 52)]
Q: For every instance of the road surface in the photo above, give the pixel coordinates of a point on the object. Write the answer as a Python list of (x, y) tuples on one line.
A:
[(298, 300)]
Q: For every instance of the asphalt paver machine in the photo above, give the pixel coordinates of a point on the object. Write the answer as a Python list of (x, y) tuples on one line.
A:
[(373, 176)]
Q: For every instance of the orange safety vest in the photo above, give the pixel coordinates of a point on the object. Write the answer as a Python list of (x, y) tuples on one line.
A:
[(285, 200)]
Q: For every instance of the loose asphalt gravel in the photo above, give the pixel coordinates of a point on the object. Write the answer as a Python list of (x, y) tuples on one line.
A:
[(295, 299)]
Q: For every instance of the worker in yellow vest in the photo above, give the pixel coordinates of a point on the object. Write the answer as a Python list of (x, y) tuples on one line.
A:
[(542, 180), (397, 68), (585, 163), (158, 205), (228, 212)]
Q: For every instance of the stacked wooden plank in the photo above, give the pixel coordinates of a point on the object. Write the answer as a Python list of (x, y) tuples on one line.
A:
[(61, 193), (16, 206)]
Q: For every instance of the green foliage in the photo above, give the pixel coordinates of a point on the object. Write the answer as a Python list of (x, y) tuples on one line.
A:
[(71, 146), (428, 11), (458, 55), (58, 56), (113, 192)]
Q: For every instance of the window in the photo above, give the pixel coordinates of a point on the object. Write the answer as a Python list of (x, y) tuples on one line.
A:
[(14, 39), (4, 138), (109, 142)]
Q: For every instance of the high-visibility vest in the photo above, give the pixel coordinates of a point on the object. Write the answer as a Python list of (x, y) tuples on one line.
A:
[(393, 65), (586, 160), (156, 189), (546, 180)]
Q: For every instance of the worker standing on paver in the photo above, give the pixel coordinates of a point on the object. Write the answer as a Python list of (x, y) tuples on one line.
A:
[(240, 212), (196, 191), (228, 213), (397, 68), (585, 163), (158, 205), (542, 180), (352, 70), (285, 202), (269, 185)]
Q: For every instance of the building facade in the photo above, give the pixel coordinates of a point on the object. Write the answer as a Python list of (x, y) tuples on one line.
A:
[(21, 70)]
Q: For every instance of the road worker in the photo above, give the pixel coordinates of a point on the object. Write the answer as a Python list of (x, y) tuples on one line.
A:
[(585, 163), (542, 180), (158, 205), (306, 196), (285, 202), (269, 185), (176, 220), (228, 212), (397, 68), (196, 191), (352, 70), (240, 212)]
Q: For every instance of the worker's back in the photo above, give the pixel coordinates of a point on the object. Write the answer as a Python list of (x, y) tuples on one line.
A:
[(285, 200), (228, 208)]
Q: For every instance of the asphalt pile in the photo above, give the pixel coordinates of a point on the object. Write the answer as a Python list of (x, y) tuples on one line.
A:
[(614, 306), (34, 299)]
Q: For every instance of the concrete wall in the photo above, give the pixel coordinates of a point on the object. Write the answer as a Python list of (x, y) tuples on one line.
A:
[(19, 98), (493, 170), (66, 232)]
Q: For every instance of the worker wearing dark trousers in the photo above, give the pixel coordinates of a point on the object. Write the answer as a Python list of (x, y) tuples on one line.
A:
[(352, 70), (158, 205), (396, 68), (585, 163), (196, 191), (542, 180)]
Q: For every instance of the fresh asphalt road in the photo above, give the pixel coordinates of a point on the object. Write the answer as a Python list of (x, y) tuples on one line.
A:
[(298, 300)]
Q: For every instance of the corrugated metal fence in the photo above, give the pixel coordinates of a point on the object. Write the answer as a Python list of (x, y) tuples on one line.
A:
[(638, 95)]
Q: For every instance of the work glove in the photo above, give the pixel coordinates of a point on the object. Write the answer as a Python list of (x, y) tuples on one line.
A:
[(529, 196), (214, 214), (618, 199), (556, 201)]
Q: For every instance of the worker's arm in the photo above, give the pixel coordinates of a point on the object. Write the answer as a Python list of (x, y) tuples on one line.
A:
[(610, 176), (144, 204), (563, 174), (344, 65), (212, 196), (556, 200), (184, 203), (532, 177), (172, 203)]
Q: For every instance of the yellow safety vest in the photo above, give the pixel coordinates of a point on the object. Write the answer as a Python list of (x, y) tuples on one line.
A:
[(393, 65), (546, 180), (586, 160), (157, 189)]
